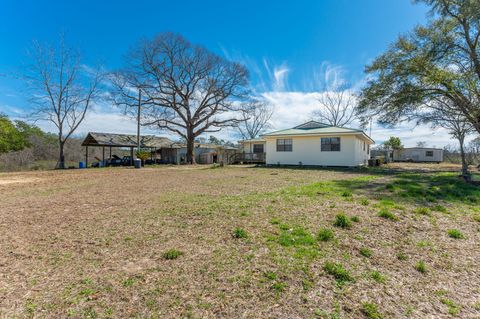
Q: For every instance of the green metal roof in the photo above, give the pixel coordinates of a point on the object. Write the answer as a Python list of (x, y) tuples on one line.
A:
[(315, 128)]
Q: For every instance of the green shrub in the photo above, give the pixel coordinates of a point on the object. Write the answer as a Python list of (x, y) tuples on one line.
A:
[(370, 311), (340, 274), (325, 234), (476, 218), (364, 202), (172, 254), (342, 221), (421, 267), (239, 233), (365, 252), (455, 233), (385, 213)]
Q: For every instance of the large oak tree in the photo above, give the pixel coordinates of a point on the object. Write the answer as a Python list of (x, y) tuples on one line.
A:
[(185, 88), (434, 62)]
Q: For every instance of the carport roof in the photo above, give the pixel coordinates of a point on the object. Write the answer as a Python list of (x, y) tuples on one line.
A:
[(124, 140)]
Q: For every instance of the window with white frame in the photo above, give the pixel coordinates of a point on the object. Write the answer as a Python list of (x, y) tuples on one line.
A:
[(429, 153)]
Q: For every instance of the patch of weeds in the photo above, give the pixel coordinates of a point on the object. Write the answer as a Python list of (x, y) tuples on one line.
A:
[(333, 205), (327, 315), (377, 276), (90, 313), (325, 234), (275, 221), (422, 211), (271, 275), (336, 270), (455, 233), (390, 187), (355, 219), (342, 221), (385, 213), (476, 218), (86, 292), (30, 307), (370, 310), (172, 254), (278, 287), (453, 308), (440, 208), (128, 282), (401, 256), (347, 193), (421, 267), (307, 284), (365, 252), (239, 233), (297, 236)]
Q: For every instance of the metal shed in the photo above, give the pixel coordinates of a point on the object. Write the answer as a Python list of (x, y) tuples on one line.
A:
[(110, 140)]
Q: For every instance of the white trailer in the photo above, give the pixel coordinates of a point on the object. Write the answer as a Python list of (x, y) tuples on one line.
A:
[(418, 154)]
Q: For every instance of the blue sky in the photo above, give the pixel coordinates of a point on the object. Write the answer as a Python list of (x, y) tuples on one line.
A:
[(290, 47)]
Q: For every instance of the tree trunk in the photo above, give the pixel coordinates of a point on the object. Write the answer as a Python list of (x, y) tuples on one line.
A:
[(465, 172), (190, 147), (61, 157)]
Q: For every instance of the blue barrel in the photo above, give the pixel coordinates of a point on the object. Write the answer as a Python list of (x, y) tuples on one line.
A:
[(138, 163), (81, 165)]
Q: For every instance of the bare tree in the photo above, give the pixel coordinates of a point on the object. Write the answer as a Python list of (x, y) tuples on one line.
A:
[(443, 114), (126, 92), (62, 89), (189, 89), (255, 119), (337, 107)]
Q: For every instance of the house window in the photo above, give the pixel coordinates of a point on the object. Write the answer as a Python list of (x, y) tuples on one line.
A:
[(330, 144), (284, 145), (368, 149), (363, 146), (429, 153), (258, 148)]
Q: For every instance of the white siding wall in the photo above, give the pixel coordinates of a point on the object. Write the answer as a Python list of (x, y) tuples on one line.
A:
[(307, 150)]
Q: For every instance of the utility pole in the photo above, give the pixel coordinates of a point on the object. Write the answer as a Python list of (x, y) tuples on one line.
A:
[(138, 118)]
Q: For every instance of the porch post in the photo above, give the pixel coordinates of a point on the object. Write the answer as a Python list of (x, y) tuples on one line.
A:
[(86, 156)]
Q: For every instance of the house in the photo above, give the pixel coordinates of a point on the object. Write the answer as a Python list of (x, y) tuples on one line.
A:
[(252, 151), (319, 144), (418, 154)]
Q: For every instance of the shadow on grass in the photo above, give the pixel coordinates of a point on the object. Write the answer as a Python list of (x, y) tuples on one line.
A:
[(420, 187)]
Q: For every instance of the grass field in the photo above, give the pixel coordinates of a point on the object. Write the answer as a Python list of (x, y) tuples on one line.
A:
[(239, 242)]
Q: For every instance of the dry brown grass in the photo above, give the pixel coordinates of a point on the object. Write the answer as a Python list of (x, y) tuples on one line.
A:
[(91, 244)]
